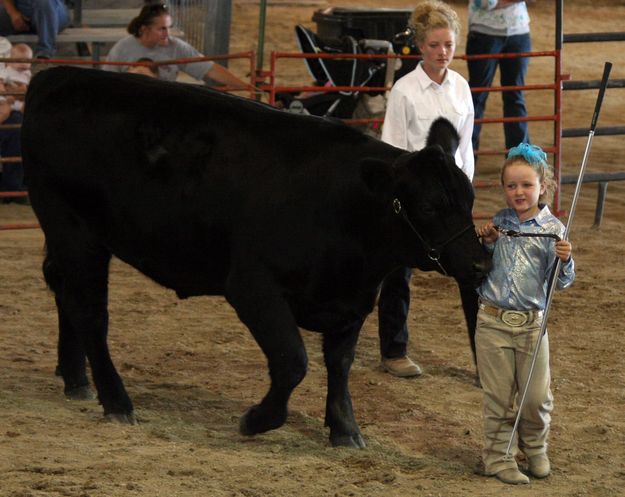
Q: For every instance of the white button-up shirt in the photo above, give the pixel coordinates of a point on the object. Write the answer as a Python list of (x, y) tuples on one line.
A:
[(415, 102)]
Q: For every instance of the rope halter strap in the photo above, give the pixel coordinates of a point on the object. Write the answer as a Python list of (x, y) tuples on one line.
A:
[(516, 234), (433, 252)]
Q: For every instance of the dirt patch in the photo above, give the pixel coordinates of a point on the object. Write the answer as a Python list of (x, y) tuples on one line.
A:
[(192, 368)]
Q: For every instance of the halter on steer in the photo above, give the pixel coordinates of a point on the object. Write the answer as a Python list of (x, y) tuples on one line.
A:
[(434, 253)]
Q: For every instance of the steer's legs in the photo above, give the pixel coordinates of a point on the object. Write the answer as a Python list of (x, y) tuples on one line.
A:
[(77, 272), (469, 298), (338, 350), (72, 361), (260, 305)]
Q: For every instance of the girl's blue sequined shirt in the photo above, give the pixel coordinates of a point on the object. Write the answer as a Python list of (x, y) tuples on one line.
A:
[(522, 265)]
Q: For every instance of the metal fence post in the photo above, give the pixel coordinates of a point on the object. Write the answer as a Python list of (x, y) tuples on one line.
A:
[(602, 191), (217, 28)]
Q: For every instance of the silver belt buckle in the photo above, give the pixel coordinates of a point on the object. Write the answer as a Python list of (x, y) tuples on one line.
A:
[(515, 318)]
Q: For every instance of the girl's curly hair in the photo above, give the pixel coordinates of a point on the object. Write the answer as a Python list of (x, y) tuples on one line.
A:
[(433, 14)]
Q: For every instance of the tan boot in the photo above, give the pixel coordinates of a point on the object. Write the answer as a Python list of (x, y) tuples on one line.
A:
[(403, 367), (539, 465), (512, 476)]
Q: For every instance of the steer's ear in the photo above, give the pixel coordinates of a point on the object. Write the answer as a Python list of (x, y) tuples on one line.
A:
[(377, 175), (443, 134)]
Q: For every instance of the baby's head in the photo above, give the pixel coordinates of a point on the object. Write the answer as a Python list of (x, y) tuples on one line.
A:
[(20, 51), (148, 69)]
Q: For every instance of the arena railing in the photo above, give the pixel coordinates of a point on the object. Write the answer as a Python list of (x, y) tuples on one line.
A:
[(562, 82), (273, 88), (602, 179)]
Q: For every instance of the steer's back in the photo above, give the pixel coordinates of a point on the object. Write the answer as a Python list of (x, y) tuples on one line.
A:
[(173, 178)]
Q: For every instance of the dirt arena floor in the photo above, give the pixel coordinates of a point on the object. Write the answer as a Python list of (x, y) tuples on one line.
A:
[(193, 369)]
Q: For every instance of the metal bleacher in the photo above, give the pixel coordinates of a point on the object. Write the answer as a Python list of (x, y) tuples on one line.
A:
[(90, 29)]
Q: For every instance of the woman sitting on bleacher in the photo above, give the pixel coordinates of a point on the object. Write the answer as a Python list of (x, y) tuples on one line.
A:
[(149, 38)]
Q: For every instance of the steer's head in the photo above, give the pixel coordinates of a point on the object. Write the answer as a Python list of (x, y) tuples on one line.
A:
[(432, 204)]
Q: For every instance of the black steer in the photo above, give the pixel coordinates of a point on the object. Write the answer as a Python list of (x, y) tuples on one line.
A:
[(294, 219)]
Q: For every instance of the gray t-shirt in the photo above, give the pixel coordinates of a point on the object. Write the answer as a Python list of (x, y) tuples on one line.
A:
[(129, 49)]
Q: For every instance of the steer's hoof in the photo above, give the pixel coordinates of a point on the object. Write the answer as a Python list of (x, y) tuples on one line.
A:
[(121, 418), (80, 393), (353, 441), (244, 427), (259, 420)]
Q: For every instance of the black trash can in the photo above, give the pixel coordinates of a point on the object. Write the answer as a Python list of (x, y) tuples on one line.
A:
[(372, 24), (375, 24)]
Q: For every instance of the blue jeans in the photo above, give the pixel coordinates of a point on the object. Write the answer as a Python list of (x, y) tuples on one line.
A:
[(47, 19), (393, 311), (10, 146), (512, 72)]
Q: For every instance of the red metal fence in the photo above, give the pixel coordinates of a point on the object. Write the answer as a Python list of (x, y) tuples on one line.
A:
[(267, 82)]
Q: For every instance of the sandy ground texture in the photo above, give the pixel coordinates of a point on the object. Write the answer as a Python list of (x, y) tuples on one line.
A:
[(192, 369)]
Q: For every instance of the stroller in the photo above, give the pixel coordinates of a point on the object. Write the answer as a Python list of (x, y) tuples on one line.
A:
[(348, 72)]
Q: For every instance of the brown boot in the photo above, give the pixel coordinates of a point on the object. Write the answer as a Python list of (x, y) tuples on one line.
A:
[(403, 367), (539, 465), (512, 476)]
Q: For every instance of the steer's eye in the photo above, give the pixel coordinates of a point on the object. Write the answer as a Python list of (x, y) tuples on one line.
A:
[(434, 206), (428, 211)]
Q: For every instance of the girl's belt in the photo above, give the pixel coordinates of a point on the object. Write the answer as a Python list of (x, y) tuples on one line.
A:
[(510, 317)]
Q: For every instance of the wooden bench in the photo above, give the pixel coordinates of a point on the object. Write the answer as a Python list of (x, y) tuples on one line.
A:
[(104, 17), (96, 36)]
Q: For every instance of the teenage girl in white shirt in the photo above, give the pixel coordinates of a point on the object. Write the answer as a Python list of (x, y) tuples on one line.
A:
[(430, 91)]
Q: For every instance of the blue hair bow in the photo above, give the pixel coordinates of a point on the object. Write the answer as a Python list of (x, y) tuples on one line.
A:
[(533, 154)]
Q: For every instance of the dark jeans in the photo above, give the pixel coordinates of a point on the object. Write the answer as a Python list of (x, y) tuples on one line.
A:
[(47, 19), (393, 311), (512, 72), (10, 146)]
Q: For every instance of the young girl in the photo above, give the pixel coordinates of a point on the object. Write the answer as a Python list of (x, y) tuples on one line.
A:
[(512, 301)]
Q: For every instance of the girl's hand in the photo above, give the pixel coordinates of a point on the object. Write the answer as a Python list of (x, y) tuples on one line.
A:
[(563, 250), (488, 233)]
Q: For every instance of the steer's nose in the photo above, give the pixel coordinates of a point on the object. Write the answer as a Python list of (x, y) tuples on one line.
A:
[(482, 268)]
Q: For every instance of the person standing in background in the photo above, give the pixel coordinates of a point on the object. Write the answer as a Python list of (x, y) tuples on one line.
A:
[(495, 27), (430, 91)]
